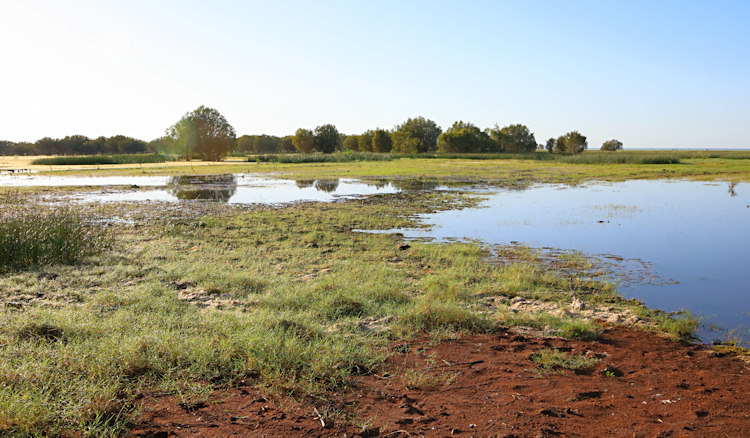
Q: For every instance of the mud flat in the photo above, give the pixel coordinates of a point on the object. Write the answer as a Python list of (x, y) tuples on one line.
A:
[(640, 384)]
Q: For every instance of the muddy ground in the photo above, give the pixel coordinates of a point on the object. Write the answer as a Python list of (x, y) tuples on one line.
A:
[(487, 385)]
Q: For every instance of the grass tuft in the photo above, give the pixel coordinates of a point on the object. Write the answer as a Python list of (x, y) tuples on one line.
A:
[(35, 237), (553, 361)]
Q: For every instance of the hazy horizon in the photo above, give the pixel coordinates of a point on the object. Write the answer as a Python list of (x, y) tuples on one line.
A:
[(653, 75)]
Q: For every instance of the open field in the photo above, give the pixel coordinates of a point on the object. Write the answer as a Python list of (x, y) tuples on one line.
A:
[(194, 303), (722, 165)]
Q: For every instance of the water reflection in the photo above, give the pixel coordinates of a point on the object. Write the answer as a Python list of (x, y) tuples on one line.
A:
[(416, 184), (732, 186), (327, 185), (218, 188), (688, 231), (304, 183)]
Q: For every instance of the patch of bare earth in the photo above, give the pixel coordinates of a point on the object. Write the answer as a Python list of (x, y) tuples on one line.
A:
[(485, 385)]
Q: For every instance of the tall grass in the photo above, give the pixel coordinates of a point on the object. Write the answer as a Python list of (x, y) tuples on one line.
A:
[(102, 159), (337, 157), (34, 236)]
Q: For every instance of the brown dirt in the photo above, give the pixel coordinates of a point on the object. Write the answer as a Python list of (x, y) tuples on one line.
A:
[(485, 385)]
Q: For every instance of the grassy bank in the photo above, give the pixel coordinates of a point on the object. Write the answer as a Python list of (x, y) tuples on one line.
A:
[(101, 159), (568, 169), (291, 299)]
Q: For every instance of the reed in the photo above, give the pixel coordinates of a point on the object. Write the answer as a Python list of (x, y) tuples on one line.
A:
[(101, 159)]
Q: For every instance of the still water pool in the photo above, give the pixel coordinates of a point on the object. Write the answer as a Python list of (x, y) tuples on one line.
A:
[(694, 235)]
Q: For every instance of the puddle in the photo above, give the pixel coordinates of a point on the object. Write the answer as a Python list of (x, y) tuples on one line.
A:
[(694, 236)]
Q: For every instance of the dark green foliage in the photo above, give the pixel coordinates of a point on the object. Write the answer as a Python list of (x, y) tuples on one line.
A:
[(550, 145), (514, 139), (571, 143), (204, 134), (351, 143), (465, 137), (33, 237), (417, 135), (612, 145), (327, 139), (101, 159), (303, 140), (381, 141), (264, 144), (340, 157), (365, 141), (404, 143)]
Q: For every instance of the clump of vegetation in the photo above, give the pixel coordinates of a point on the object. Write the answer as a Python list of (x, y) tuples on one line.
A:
[(553, 361), (337, 157), (101, 159), (34, 236)]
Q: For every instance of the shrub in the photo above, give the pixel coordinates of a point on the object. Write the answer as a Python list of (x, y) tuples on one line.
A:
[(32, 237)]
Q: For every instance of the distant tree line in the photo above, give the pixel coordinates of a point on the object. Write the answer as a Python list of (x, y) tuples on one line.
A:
[(77, 145), (206, 134)]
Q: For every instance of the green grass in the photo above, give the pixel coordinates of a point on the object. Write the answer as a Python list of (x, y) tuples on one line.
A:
[(34, 236), (337, 157), (101, 159), (553, 361), (287, 298)]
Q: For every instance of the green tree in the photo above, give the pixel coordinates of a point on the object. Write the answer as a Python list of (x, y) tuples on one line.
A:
[(381, 141), (420, 132), (404, 143), (351, 143), (550, 145), (465, 138), (246, 144), (327, 139), (365, 141), (612, 145), (304, 140), (514, 138), (571, 143), (204, 134)]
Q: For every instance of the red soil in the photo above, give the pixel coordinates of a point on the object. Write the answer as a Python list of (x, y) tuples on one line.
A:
[(484, 385)]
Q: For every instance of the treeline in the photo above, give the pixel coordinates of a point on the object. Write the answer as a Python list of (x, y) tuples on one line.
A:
[(420, 135), (414, 136), (78, 145)]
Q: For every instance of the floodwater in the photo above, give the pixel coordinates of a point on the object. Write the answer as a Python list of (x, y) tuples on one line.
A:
[(229, 188), (694, 237), (687, 242)]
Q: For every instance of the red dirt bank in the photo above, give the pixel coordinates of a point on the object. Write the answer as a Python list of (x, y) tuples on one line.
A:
[(484, 385)]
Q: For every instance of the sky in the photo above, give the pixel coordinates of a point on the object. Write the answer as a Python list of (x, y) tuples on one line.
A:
[(653, 74)]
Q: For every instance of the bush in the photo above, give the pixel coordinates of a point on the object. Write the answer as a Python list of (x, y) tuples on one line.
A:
[(33, 237)]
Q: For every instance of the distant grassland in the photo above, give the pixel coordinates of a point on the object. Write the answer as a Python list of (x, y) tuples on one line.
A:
[(101, 159)]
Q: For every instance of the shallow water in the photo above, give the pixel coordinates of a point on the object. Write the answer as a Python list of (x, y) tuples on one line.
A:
[(691, 238), (230, 188), (694, 233)]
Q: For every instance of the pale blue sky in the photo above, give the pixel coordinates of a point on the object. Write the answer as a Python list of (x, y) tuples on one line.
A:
[(652, 73)]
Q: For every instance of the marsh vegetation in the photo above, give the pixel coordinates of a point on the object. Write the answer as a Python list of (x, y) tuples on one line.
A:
[(296, 299)]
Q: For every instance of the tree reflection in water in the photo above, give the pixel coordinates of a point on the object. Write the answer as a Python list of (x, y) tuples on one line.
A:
[(218, 188), (327, 185)]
